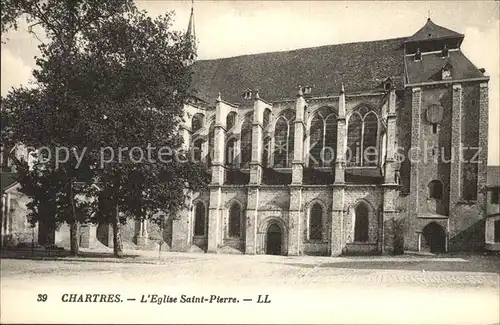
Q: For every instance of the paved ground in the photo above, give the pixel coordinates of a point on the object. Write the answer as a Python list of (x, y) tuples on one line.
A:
[(407, 289)]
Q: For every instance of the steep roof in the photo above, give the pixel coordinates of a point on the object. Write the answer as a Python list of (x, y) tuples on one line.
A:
[(431, 31), (429, 67), (360, 66)]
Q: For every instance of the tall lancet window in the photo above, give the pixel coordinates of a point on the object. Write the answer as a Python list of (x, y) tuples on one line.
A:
[(230, 153), (265, 152), (323, 138), (354, 140), (266, 117), (196, 122), (230, 120), (234, 221), (370, 138), (361, 223), (284, 140), (316, 140), (199, 219), (362, 138), (316, 222), (330, 139), (246, 142), (197, 150), (211, 143)]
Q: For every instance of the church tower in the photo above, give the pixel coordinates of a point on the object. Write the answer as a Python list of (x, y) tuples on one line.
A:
[(449, 106)]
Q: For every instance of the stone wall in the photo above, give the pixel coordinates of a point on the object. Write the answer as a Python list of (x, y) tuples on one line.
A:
[(433, 165), (15, 226), (273, 209), (463, 116)]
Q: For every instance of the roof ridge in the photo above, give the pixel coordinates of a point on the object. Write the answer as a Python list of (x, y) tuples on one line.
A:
[(429, 31), (445, 28), (305, 48), (359, 65)]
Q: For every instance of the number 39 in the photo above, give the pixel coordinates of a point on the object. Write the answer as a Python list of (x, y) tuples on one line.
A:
[(42, 297)]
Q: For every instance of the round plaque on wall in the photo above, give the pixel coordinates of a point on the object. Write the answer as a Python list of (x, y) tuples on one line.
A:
[(435, 113)]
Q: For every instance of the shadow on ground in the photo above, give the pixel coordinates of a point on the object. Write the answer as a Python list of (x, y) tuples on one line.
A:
[(57, 254), (446, 263)]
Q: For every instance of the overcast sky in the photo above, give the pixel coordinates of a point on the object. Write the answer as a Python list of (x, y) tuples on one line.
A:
[(229, 28)]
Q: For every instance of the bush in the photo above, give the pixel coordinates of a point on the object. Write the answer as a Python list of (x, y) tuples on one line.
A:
[(23, 245), (54, 247)]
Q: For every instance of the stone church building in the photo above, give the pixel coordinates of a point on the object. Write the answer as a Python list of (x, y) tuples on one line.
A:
[(358, 148), (349, 148)]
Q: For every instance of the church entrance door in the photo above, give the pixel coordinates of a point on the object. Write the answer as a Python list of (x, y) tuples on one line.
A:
[(435, 238), (273, 246)]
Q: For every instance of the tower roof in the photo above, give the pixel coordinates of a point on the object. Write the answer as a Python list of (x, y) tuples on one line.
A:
[(190, 30), (429, 68), (431, 31)]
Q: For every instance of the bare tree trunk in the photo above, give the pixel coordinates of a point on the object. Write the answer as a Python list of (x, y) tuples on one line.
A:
[(117, 234), (73, 227), (73, 233)]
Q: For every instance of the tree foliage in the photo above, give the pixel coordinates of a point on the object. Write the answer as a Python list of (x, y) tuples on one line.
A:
[(110, 78)]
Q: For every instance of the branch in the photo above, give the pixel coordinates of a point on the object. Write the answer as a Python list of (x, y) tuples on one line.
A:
[(104, 17), (30, 30), (46, 21), (17, 162)]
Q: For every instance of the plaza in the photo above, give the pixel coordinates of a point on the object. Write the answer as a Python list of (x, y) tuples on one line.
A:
[(409, 289)]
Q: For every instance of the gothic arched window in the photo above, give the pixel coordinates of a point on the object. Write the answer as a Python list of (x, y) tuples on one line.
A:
[(199, 219), (361, 223), (435, 189), (362, 138), (267, 117), (230, 120), (330, 139), (246, 142), (196, 122), (369, 145), (265, 152), (469, 181), (316, 140), (197, 150), (323, 138), (230, 152), (234, 227), (354, 140), (211, 143), (316, 222), (284, 140)]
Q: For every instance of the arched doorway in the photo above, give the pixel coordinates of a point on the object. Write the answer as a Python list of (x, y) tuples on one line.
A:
[(273, 240), (435, 238), (361, 223)]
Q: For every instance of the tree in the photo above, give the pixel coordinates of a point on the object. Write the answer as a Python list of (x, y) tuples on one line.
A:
[(98, 89), (38, 118), (47, 189), (52, 115), (143, 83)]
